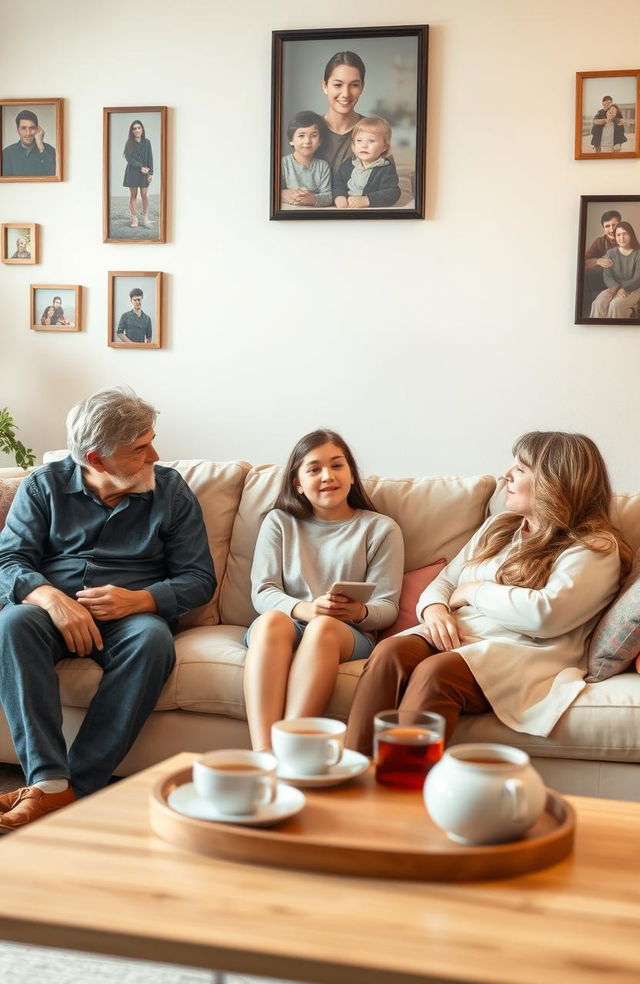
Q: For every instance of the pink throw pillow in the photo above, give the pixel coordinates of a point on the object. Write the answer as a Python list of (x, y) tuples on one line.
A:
[(413, 584)]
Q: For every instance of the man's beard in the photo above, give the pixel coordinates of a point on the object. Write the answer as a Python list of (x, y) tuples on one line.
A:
[(141, 481)]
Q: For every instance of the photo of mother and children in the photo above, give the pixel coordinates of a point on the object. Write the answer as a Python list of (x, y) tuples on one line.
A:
[(342, 159)]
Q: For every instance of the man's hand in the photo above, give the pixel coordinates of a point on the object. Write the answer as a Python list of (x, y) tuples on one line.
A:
[(75, 623), (622, 292), (358, 201), (605, 262), (336, 605), (110, 602), (39, 138), (441, 628), (341, 202)]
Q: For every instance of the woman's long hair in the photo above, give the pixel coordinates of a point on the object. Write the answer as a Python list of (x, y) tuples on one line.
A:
[(571, 502), (296, 503), (132, 143), (45, 314)]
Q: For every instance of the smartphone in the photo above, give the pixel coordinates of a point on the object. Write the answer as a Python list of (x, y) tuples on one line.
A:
[(353, 590)]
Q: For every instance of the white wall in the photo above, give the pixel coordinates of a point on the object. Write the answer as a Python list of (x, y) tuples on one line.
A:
[(430, 345)]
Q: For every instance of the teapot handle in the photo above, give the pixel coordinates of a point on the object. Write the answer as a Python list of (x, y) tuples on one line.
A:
[(515, 790)]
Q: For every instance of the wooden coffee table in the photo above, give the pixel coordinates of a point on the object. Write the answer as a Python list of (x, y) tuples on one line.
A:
[(93, 877)]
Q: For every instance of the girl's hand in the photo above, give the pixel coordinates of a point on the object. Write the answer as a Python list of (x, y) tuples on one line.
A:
[(441, 628), (145, 170), (622, 292), (305, 197), (341, 202), (336, 605), (358, 201), (289, 196), (463, 594)]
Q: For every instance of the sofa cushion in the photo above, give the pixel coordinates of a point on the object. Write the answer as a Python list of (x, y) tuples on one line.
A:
[(436, 515), (413, 584), (602, 724), (615, 642), (218, 486)]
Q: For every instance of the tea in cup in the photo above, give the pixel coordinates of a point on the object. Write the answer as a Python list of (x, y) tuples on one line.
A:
[(308, 746), (236, 781), (484, 793), (406, 744)]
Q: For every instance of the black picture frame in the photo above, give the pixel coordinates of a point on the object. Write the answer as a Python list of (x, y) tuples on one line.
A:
[(394, 92), (593, 208)]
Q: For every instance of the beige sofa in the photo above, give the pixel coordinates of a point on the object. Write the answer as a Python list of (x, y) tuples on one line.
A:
[(594, 750)]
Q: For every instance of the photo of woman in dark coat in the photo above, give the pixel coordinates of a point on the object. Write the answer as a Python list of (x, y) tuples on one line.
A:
[(138, 173)]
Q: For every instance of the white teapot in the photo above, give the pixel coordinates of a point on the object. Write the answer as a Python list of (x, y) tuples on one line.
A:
[(484, 793)]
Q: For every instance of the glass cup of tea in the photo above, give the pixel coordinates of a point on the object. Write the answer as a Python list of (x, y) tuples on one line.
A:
[(406, 744)]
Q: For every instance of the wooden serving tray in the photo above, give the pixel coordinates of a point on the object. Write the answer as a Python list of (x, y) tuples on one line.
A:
[(366, 829)]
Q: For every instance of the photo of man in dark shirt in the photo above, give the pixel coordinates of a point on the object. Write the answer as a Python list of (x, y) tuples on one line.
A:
[(134, 326), (30, 156)]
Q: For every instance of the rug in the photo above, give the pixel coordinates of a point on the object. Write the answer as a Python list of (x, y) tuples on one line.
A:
[(26, 964)]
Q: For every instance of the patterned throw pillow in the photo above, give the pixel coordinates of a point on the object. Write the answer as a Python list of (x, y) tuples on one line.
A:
[(413, 584), (8, 488), (615, 642)]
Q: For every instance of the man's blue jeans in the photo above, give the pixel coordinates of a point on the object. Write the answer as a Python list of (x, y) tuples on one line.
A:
[(137, 658)]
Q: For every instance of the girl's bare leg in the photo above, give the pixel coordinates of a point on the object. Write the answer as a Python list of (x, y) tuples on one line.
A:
[(326, 643), (133, 207), (266, 671), (144, 194)]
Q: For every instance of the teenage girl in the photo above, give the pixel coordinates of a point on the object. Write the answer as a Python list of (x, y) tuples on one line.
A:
[(322, 529), (138, 172)]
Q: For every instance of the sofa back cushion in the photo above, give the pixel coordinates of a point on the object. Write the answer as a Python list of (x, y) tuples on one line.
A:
[(8, 489), (436, 515), (217, 486)]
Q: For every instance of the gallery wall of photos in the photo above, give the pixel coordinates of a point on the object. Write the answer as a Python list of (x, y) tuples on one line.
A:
[(351, 163)]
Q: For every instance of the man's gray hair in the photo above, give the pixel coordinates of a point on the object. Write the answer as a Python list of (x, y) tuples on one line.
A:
[(105, 420)]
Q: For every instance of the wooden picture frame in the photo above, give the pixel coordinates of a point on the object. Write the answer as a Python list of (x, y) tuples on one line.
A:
[(600, 216), (19, 243), (131, 313), (384, 72), (46, 315), (32, 135), (130, 157), (598, 95)]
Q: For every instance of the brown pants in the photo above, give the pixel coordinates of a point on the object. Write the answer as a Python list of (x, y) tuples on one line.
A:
[(404, 671)]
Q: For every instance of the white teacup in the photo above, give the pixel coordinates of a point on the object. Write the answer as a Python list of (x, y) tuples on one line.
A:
[(484, 793), (308, 746), (236, 780)]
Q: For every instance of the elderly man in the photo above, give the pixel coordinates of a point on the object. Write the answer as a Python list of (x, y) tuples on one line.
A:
[(30, 157), (101, 553)]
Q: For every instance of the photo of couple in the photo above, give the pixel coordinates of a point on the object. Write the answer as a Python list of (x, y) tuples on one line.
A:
[(351, 136), (610, 260), (607, 123)]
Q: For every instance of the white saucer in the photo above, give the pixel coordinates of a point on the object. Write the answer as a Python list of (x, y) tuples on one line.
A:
[(351, 764), (288, 802)]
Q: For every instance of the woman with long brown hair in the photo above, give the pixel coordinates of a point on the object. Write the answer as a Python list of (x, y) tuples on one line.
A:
[(322, 529), (504, 626)]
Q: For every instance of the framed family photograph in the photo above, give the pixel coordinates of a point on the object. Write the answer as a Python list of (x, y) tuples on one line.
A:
[(608, 280), (19, 243), (55, 307), (134, 174), (32, 139), (348, 123), (135, 310), (607, 114)]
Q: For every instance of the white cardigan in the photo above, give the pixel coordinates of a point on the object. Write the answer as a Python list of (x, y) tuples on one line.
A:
[(527, 648)]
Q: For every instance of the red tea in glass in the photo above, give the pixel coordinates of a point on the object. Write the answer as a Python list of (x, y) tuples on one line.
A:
[(404, 755)]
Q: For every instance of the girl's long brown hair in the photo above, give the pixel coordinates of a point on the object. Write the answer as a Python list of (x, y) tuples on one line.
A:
[(571, 501)]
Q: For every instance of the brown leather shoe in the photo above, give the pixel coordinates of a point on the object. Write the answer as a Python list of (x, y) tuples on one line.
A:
[(30, 803)]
